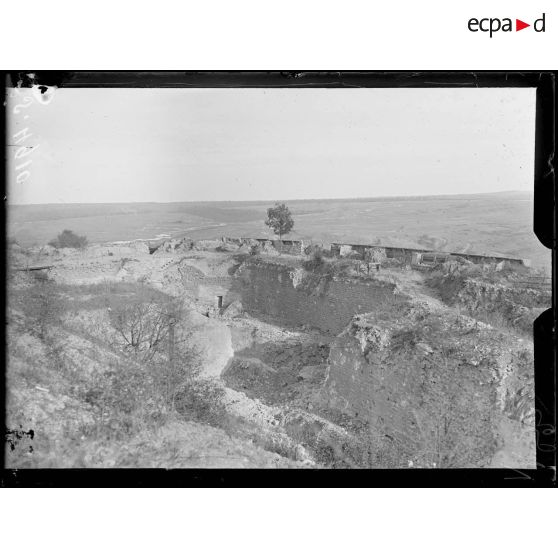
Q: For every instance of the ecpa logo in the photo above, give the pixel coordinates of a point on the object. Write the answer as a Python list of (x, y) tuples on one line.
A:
[(494, 24)]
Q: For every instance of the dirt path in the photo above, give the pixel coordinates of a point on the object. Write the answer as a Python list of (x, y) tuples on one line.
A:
[(413, 284), (213, 339)]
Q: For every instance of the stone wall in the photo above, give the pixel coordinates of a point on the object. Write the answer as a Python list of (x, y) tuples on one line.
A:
[(412, 255), (286, 296), (406, 255)]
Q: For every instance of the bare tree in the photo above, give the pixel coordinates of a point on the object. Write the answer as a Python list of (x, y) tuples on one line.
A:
[(146, 327)]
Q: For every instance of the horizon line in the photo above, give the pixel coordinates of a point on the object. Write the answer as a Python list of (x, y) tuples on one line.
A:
[(268, 200)]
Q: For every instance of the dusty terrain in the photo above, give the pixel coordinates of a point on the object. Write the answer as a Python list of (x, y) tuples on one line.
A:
[(298, 367)]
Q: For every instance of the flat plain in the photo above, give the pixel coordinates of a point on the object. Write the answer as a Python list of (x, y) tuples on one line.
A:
[(497, 224)]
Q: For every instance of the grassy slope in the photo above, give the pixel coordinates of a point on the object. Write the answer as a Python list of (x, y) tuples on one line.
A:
[(53, 386)]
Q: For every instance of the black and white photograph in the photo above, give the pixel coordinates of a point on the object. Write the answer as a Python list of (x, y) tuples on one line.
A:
[(271, 277)]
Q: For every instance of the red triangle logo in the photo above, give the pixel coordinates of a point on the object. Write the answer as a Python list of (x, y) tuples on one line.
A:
[(519, 25)]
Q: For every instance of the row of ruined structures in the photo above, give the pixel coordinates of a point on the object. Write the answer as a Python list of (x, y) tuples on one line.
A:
[(375, 253)]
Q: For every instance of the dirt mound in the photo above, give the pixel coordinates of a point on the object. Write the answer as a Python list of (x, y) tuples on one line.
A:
[(435, 385)]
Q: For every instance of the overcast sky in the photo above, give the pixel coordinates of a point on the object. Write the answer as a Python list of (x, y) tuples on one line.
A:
[(137, 145)]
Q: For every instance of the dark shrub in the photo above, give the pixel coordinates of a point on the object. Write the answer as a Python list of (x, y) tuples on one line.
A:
[(42, 305), (344, 268), (201, 401), (68, 239), (316, 263), (255, 250)]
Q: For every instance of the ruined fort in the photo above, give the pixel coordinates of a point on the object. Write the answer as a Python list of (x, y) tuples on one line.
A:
[(337, 355)]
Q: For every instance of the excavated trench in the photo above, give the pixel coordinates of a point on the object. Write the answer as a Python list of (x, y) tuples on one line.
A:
[(279, 385), (277, 357), (278, 373), (345, 373)]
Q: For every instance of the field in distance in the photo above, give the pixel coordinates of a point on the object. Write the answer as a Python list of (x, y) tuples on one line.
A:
[(497, 224)]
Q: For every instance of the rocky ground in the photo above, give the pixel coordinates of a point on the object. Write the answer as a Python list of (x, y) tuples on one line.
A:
[(443, 378)]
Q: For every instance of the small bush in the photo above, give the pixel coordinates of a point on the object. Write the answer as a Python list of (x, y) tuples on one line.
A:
[(344, 268), (316, 263), (117, 395), (255, 250), (42, 305), (68, 239), (239, 259), (201, 401)]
